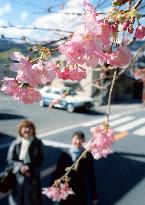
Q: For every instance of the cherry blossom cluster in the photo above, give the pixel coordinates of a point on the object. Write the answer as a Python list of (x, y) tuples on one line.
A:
[(77, 73), (34, 73), (59, 192), (99, 144), (26, 94), (91, 43), (127, 20)]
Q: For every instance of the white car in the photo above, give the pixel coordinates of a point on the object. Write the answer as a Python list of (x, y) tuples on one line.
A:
[(70, 102)]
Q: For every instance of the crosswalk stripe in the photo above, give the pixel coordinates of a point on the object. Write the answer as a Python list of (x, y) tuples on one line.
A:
[(100, 120), (56, 144), (131, 125), (122, 120), (140, 131)]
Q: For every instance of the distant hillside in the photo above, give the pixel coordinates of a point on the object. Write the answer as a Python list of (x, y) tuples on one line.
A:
[(7, 47)]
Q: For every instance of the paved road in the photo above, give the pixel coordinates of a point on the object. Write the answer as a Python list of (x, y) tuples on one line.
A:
[(120, 177)]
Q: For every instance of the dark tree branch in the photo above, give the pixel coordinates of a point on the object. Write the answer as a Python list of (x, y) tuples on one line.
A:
[(34, 28)]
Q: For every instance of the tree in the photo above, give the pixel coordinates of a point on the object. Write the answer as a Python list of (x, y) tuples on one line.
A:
[(99, 40)]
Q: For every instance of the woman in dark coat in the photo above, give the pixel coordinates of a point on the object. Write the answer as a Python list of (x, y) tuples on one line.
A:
[(82, 181), (25, 156)]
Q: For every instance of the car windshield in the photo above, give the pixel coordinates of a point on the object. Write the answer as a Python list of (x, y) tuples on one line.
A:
[(61, 92)]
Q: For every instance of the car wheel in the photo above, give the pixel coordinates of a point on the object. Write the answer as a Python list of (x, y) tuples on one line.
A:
[(41, 103), (70, 108)]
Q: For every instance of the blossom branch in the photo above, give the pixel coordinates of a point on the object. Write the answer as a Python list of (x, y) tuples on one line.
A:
[(137, 4), (72, 167), (34, 28), (110, 94)]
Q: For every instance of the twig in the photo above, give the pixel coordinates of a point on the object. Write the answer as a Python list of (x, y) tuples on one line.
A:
[(69, 169), (110, 94), (137, 4), (34, 28)]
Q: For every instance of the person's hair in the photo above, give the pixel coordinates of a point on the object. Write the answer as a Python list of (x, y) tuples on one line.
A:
[(27, 123), (80, 135)]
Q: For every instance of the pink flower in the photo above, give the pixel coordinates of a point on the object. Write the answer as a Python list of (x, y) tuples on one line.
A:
[(140, 32), (89, 8), (49, 72), (22, 62), (99, 144), (29, 95), (90, 21), (114, 28), (10, 86), (125, 25), (33, 74), (73, 49), (121, 57), (26, 95), (77, 74), (106, 33), (59, 192), (17, 56), (84, 49), (63, 74)]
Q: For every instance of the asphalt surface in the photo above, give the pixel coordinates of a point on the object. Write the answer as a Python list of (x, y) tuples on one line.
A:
[(120, 178)]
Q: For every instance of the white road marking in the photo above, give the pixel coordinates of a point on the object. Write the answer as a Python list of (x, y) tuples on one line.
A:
[(48, 171), (121, 120), (58, 130), (130, 125), (85, 124), (98, 121), (140, 131), (56, 144)]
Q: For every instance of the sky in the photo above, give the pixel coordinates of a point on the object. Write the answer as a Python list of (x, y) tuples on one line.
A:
[(32, 13)]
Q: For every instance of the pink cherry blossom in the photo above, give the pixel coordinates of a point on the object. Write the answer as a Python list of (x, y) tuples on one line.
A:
[(29, 95), (84, 49), (59, 192), (106, 33), (26, 95), (125, 25), (73, 50), (114, 28), (89, 8), (77, 74), (31, 74), (140, 32), (121, 57), (63, 74), (10, 86), (49, 72), (99, 144), (89, 19), (34, 74), (23, 64), (17, 56)]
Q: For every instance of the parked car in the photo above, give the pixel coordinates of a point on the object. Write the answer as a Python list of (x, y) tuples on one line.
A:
[(70, 102)]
